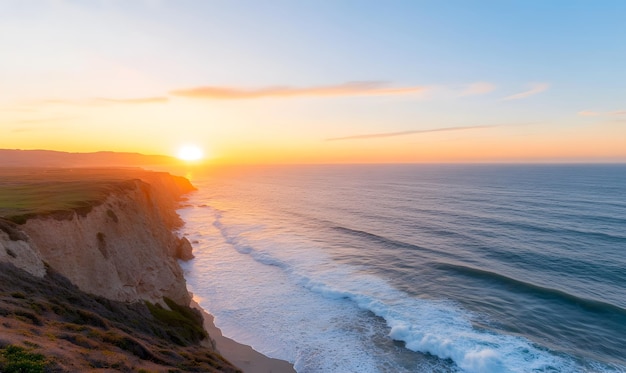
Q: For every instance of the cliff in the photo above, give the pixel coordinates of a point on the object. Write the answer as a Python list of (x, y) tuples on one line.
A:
[(123, 249), (119, 245), (89, 277)]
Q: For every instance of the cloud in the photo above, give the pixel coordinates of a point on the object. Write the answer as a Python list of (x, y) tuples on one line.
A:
[(43, 120), (587, 113), (534, 89), (405, 133), (102, 101), (27, 124), (34, 121), (19, 110), (143, 100), (345, 89), (478, 88), (55, 102), (36, 129)]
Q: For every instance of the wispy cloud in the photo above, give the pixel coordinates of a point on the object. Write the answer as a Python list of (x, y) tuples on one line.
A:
[(19, 110), (143, 100), (32, 125), (535, 88), (587, 113), (37, 129), (405, 133), (42, 120), (478, 88), (345, 89), (97, 101)]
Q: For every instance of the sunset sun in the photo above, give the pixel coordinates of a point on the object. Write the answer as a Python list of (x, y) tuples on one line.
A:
[(190, 153)]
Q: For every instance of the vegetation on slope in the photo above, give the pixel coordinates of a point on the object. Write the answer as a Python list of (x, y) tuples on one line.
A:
[(50, 325)]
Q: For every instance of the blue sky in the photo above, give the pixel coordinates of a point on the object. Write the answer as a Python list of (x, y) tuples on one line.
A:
[(537, 68)]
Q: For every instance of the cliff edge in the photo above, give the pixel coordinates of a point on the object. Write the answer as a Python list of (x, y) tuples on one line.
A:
[(89, 279), (123, 249), (120, 244)]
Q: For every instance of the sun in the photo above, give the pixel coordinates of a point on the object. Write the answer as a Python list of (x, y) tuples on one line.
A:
[(190, 153)]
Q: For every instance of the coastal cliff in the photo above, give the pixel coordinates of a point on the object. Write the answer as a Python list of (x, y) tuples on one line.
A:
[(89, 277), (124, 248), (120, 246)]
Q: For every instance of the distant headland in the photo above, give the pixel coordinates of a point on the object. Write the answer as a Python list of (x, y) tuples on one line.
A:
[(51, 158)]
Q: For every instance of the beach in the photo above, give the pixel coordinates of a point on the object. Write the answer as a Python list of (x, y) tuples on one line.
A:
[(242, 356)]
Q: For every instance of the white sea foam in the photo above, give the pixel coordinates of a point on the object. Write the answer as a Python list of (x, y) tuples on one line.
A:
[(287, 299), (256, 302)]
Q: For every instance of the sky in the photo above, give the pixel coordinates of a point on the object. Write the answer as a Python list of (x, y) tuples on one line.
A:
[(341, 81)]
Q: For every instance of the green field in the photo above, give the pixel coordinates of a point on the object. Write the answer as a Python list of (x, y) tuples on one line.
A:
[(26, 192)]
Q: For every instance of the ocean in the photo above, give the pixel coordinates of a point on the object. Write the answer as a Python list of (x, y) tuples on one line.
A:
[(415, 268)]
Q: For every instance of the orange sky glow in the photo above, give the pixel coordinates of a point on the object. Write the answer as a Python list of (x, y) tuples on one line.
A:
[(406, 93)]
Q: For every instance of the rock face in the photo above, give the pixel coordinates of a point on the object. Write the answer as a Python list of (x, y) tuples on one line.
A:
[(124, 248), (15, 248), (184, 251)]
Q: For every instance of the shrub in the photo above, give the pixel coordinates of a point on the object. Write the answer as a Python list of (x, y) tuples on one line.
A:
[(129, 344), (185, 323), (89, 318), (14, 359), (28, 317)]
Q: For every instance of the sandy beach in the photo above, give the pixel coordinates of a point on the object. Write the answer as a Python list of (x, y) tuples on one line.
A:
[(242, 356)]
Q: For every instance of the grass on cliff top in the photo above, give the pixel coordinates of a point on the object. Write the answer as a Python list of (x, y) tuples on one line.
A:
[(27, 192)]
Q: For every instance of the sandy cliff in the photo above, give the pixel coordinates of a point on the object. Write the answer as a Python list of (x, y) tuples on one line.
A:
[(123, 248), (80, 250), (15, 248)]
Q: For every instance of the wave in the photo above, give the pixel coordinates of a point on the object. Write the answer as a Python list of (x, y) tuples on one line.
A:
[(607, 237), (610, 270), (438, 328), (591, 305), (543, 225), (540, 222), (387, 242)]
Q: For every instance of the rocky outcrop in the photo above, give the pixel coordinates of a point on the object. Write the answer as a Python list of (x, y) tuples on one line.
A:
[(184, 250), (124, 247)]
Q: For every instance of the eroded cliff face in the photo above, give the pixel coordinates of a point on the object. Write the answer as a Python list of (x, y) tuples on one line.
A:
[(124, 248), (15, 248)]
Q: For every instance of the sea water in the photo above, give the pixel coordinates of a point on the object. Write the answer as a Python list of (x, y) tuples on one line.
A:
[(416, 268)]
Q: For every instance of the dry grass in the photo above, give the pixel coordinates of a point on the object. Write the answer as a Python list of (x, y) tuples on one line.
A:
[(54, 326)]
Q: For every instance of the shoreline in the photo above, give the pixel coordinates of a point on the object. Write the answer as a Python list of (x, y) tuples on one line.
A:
[(242, 356)]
